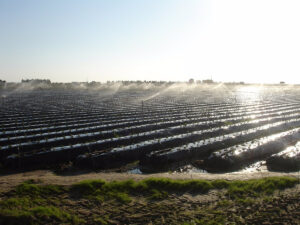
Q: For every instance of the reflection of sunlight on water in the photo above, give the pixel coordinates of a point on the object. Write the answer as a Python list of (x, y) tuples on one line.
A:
[(220, 85), (135, 171), (188, 169), (249, 93), (259, 166)]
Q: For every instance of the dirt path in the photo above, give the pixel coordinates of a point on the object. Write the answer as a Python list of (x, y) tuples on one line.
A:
[(48, 177)]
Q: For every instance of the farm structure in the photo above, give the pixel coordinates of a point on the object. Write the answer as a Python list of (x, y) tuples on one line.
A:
[(215, 127)]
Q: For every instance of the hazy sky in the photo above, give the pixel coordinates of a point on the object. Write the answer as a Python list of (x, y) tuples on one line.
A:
[(76, 40)]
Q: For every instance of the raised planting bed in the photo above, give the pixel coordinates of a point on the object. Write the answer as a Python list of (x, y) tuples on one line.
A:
[(164, 126), (169, 159), (285, 161), (238, 157), (139, 150)]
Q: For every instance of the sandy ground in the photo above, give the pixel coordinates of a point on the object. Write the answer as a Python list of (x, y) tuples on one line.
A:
[(48, 177)]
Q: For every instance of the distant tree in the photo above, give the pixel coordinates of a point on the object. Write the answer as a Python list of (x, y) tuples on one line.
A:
[(36, 81), (2, 83)]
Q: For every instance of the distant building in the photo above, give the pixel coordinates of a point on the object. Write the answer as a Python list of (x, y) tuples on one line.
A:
[(282, 82), (208, 81), (191, 81)]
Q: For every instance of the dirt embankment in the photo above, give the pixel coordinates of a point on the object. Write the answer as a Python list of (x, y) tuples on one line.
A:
[(48, 177), (151, 201)]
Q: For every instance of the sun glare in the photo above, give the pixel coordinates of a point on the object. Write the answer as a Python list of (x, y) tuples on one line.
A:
[(249, 93)]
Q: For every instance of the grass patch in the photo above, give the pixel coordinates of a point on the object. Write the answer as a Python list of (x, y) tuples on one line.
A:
[(158, 195), (239, 189), (36, 215), (159, 188), (87, 187), (209, 217), (31, 203), (100, 221), (13, 203), (170, 185), (265, 185), (246, 201), (225, 203), (156, 188), (28, 188), (101, 190), (220, 184)]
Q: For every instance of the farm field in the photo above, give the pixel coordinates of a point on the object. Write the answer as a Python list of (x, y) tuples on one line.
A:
[(201, 128)]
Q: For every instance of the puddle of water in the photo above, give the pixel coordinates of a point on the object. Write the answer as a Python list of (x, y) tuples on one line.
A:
[(135, 171)]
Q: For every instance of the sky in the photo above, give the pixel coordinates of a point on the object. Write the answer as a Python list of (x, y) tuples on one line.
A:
[(254, 41)]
